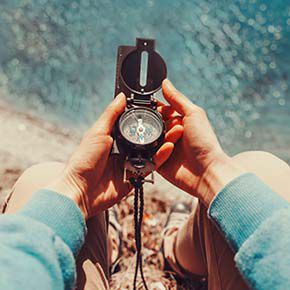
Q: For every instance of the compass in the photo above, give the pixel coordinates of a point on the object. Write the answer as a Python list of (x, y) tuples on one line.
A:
[(140, 130)]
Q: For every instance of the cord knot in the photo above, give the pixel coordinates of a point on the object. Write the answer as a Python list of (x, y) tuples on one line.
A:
[(137, 182)]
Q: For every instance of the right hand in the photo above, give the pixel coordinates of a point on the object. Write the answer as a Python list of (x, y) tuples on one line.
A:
[(198, 165), (93, 178)]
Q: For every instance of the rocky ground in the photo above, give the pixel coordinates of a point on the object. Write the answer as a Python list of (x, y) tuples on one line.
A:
[(27, 140)]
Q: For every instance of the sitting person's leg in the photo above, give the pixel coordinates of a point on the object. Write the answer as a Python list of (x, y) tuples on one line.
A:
[(92, 262), (198, 247)]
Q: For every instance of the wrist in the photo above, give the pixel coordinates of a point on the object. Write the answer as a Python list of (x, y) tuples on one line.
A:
[(65, 187), (217, 175)]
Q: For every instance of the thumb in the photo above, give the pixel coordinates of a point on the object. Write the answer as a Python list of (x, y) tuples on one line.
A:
[(177, 100), (106, 121)]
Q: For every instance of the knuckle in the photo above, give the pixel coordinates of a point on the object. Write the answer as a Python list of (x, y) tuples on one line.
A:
[(201, 111), (108, 139), (103, 139)]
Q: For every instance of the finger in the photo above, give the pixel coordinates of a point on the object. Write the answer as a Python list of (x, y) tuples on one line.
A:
[(177, 100), (105, 123), (160, 103), (173, 122), (163, 154), (166, 112), (174, 134)]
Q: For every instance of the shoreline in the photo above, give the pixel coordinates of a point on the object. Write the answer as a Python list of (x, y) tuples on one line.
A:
[(26, 140)]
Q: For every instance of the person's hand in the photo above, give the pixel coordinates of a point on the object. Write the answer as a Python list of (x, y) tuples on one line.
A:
[(198, 164), (93, 178)]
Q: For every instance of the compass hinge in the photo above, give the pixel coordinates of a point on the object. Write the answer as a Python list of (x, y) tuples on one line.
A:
[(136, 100)]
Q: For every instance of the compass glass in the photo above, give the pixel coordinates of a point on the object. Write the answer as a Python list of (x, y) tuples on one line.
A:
[(141, 126)]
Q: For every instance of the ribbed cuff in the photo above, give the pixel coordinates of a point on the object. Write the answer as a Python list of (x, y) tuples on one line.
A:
[(242, 206), (59, 213)]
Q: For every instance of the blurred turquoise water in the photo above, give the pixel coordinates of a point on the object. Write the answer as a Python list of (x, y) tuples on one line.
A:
[(57, 60)]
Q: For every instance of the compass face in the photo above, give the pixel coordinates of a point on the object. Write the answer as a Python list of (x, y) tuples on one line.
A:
[(141, 126)]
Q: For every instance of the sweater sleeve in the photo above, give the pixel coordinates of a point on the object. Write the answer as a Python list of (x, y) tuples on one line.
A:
[(255, 221), (264, 258), (38, 245)]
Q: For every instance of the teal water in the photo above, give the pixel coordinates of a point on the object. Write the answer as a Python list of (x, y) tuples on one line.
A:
[(57, 60)]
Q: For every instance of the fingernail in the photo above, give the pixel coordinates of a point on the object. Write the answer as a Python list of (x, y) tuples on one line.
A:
[(119, 97), (169, 84)]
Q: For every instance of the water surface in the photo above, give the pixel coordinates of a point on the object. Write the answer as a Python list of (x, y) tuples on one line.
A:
[(57, 60)]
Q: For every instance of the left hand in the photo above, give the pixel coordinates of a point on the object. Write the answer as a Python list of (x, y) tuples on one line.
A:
[(198, 164), (93, 178)]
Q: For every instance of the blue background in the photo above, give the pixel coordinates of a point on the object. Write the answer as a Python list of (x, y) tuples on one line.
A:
[(57, 60)]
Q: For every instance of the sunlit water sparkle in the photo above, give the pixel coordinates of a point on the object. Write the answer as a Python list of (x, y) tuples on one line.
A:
[(57, 60)]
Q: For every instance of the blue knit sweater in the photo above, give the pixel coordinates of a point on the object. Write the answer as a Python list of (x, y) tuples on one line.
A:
[(39, 244)]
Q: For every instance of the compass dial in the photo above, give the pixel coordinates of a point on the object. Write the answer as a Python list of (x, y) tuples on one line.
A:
[(141, 126)]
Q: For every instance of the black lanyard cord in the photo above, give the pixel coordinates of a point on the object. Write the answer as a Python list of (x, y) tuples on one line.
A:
[(138, 217)]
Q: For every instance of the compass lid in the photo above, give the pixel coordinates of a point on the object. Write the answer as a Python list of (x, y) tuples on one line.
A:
[(140, 69)]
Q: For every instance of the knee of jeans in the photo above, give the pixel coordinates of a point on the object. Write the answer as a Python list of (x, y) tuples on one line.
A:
[(31, 180), (248, 158), (40, 174), (262, 156), (51, 167), (271, 169)]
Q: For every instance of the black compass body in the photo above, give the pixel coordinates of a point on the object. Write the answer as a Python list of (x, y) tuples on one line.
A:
[(140, 130)]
